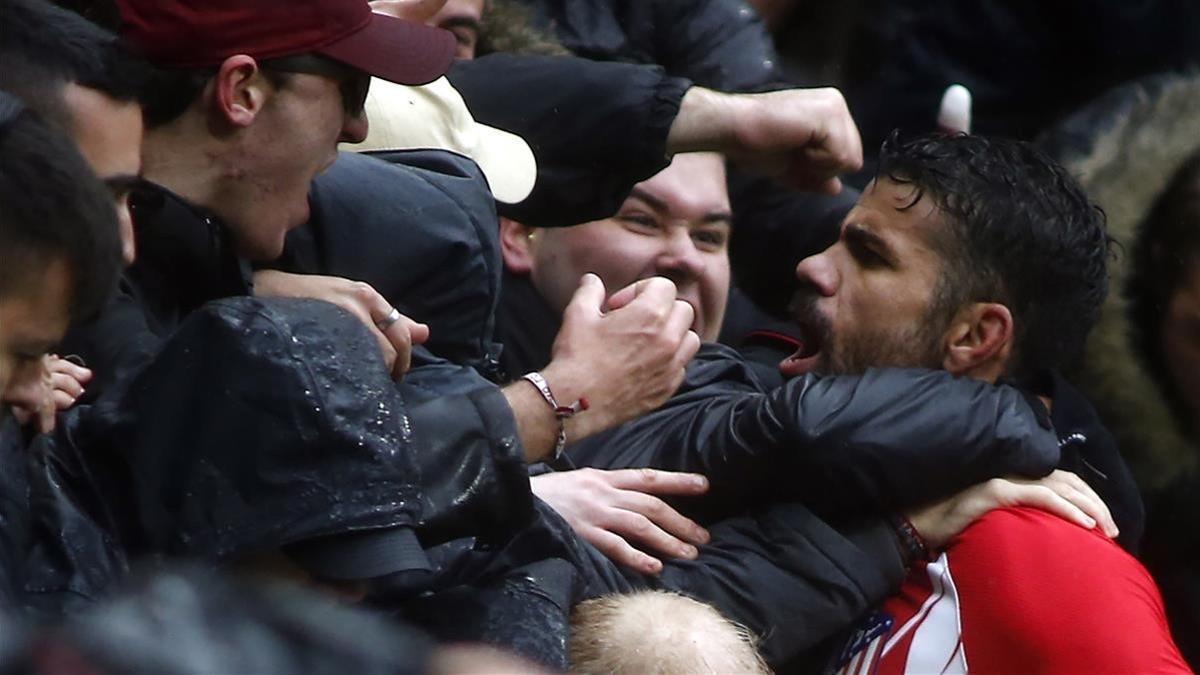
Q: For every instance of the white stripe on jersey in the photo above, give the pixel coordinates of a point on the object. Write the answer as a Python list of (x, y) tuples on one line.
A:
[(937, 643)]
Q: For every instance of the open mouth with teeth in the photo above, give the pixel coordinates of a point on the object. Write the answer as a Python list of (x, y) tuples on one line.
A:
[(804, 359), (814, 332)]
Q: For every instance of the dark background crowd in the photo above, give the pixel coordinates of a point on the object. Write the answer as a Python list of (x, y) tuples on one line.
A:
[(646, 336)]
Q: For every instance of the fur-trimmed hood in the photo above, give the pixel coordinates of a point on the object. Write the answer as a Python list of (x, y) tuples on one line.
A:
[(1125, 148)]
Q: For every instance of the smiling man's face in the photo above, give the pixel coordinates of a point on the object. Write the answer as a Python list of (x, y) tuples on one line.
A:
[(868, 300)]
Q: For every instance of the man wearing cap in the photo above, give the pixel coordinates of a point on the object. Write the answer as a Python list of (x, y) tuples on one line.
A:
[(231, 147), (245, 115)]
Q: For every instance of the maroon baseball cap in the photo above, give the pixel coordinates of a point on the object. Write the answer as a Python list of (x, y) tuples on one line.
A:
[(203, 33)]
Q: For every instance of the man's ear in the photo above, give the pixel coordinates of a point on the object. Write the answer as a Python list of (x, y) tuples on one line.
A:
[(979, 341), (516, 246), (239, 91)]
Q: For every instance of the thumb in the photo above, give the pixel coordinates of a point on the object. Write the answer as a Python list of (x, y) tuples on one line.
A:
[(419, 332), (588, 298)]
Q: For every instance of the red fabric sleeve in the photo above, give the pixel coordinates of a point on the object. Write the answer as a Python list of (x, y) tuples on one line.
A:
[(1041, 595)]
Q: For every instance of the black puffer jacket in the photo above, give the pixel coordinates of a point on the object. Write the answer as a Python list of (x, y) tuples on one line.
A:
[(843, 445)]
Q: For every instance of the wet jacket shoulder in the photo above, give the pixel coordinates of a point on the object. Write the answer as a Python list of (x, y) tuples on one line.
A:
[(717, 43), (418, 226), (595, 128), (864, 444), (184, 259)]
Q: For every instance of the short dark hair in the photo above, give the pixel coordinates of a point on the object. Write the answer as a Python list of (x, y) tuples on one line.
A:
[(52, 207), (44, 48), (1020, 231)]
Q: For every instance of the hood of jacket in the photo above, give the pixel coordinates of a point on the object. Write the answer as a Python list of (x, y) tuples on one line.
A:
[(420, 227), (1124, 148)]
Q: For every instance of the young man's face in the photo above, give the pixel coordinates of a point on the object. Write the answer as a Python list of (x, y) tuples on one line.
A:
[(108, 134), (675, 225), (865, 302), (293, 139), (34, 316)]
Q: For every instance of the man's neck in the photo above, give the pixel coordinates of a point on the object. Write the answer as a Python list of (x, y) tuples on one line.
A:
[(184, 158)]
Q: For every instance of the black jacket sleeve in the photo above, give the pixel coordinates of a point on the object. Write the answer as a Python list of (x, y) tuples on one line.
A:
[(864, 444), (474, 481), (595, 128)]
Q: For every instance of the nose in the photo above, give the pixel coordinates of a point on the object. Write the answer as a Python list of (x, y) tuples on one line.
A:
[(819, 272), (354, 127), (680, 259)]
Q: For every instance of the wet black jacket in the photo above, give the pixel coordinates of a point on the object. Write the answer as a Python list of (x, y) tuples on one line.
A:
[(256, 424)]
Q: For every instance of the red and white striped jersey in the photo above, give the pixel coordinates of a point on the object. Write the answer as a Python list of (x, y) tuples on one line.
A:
[(1020, 591)]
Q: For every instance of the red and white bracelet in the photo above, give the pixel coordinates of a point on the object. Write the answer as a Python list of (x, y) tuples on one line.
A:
[(561, 412)]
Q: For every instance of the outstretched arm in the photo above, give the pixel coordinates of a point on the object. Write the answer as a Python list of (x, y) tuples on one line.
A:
[(878, 443)]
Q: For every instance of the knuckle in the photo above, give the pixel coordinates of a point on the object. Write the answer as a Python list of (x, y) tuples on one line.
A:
[(642, 527), (657, 509), (362, 291)]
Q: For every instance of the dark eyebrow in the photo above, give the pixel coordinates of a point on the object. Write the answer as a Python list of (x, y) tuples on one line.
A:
[(659, 205), (867, 238), (654, 202), (460, 22)]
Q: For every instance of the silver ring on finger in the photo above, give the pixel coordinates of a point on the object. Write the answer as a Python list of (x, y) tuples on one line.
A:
[(392, 317)]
